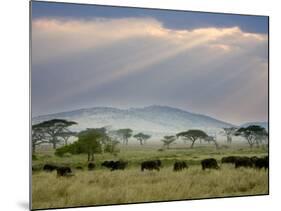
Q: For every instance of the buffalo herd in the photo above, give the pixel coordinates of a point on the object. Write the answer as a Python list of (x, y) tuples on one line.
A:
[(209, 163), (254, 161)]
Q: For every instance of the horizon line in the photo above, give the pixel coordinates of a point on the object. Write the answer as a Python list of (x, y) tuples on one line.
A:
[(142, 107)]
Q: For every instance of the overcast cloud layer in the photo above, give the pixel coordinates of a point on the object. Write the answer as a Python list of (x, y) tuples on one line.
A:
[(135, 62)]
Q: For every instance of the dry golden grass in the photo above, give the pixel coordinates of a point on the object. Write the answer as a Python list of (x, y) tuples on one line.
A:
[(131, 185)]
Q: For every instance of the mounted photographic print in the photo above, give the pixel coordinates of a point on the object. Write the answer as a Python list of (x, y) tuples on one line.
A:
[(135, 105)]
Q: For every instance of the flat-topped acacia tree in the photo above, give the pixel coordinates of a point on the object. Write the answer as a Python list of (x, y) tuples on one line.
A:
[(53, 129), (167, 140), (65, 135), (124, 134), (141, 137), (252, 134), (229, 132), (192, 135), (212, 139)]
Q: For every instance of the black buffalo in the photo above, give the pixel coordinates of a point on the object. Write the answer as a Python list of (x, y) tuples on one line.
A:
[(151, 164), (63, 171), (260, 163), (49, 167), (107, 163), (229, 159), (180, 165), (119, 165), (115, 165), (244, 162), (209, 163), (253, 159), (91, 166)]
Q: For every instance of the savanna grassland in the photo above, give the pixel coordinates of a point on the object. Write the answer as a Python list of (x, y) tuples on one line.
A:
[(102, 186)]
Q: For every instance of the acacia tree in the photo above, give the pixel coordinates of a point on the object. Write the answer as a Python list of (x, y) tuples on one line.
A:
[(192, 135), (141, 137), (262, 139), (167, 140), (212, 139), (54, 128), (89, 141), (38, 137), (111, 146), (229, 132), (65, 135), (252, 134), (124, 134)]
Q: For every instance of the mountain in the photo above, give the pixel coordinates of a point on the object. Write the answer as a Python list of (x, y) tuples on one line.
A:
[(262, 124), (155, 120)]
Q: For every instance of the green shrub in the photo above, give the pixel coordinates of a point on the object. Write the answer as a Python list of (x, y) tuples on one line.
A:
[(67, 150)]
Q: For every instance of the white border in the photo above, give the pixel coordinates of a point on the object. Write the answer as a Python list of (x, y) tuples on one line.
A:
[(15, 103)]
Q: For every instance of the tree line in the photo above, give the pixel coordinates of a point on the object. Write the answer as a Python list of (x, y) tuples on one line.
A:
[(57, 132), (99, 140), (254, 134)]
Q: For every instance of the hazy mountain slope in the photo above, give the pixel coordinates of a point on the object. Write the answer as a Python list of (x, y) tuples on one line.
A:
[(155, 120)]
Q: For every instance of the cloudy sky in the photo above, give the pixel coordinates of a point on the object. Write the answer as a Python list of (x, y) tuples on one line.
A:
[(86, 56)]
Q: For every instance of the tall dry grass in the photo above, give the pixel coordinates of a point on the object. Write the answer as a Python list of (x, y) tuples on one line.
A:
[(104, 187)]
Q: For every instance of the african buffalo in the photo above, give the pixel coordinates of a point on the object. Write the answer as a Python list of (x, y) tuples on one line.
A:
[(243, 162), (261, 163), (210, 163), (229, 159), (91, 166), (253, 159), (180, 165), (150, 165), (107, 163), (121, 165), (49, 167), (115, 165), (63, 171)]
